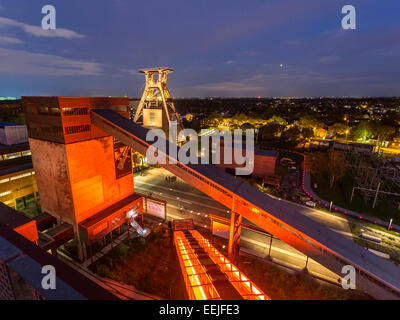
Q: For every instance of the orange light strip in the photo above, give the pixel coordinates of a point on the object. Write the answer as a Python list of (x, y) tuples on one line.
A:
[(198, 283), (198, 278), (244, 286)]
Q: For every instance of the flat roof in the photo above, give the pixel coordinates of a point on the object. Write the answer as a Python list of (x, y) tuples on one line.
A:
[(13, 147), (267, 153), (155, 70), (9, 124), (15, 168), (109, 210)]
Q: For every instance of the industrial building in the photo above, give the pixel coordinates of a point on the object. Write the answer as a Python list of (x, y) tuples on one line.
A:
[(84, 175)]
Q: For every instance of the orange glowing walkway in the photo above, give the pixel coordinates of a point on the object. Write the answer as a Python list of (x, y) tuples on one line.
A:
[(208, 274)]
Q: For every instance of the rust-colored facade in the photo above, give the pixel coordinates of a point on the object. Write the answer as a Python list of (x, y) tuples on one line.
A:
[(80, 170)]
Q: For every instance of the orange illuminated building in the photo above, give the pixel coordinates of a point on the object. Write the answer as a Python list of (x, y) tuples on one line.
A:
[(208, 275), (18, 222), (84, 175)]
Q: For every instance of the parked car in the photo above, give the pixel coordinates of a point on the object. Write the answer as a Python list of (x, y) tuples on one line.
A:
[(311, 204)]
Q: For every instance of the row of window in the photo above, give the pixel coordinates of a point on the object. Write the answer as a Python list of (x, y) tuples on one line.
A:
[(75, 111), (80, 111), (6, 193), (45, 128), (77, 129), (23, 175), (14, 155)]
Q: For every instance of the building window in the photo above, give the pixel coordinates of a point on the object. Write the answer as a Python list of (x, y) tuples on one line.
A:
[(75, 111), (77, 129), (43, 110), (55, 111)]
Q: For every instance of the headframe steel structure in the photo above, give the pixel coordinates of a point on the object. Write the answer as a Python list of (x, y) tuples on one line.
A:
[(156, 94)]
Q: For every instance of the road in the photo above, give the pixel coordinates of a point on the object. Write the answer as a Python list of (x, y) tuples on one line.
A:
[(185, 201)]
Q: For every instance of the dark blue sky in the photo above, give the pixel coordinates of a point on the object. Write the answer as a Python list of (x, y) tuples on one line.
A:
[(217, 48)]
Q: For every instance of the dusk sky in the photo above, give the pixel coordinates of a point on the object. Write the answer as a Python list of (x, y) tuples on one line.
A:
[(217, 48)]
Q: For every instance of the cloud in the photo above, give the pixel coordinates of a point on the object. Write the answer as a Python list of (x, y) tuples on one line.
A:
[(230, 62), (10, 40), (38, 31), (231, 88), (24, 62)]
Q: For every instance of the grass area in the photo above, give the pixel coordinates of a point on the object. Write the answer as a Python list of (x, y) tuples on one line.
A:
[(148, 264), (340, 194), (30, 210), (143, 171), (392, 251)]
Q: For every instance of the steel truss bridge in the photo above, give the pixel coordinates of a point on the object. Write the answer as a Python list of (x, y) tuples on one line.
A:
[(374, 275)]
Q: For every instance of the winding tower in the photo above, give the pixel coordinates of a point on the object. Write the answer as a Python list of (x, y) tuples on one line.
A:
[(156, 108)]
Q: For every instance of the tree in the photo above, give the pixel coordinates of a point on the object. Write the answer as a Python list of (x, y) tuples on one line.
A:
[(331, 163), (337, 165), (318, 164), (277, 120), (338, 129), (362, 131), (310, 122), (383, 132), (238, 120), (292, 134), (270, 131), (320, 132), (215, 119)]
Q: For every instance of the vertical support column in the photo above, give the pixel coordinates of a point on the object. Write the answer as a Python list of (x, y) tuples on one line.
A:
[(36, 200), (234, 232)]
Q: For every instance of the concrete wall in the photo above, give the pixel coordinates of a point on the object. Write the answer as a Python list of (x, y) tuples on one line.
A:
[(52, 178)]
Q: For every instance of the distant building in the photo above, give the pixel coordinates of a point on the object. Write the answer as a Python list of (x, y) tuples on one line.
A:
[(264, 165), (11, 133), (17, 176)]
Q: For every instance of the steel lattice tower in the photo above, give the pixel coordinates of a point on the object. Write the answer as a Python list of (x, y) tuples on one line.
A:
[(156, 106)]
